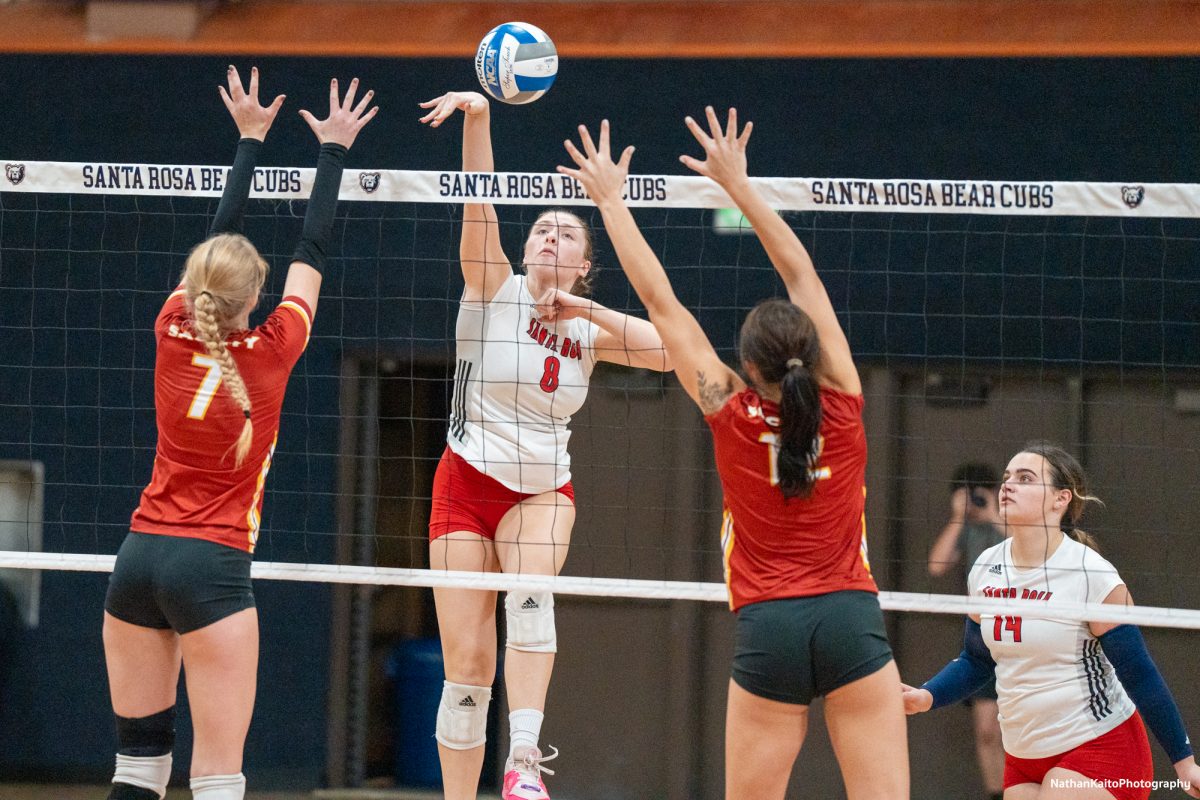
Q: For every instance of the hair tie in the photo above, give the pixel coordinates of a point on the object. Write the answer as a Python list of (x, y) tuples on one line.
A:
[(205, 291), (246, 413), (794, 362)]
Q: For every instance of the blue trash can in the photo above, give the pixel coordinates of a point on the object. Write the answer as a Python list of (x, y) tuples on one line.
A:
[(416, 672)]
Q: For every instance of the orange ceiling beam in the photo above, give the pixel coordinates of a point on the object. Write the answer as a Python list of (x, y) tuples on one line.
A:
[(617, 29)]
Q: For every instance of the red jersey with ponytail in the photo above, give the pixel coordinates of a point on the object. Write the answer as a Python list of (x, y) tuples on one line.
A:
[(774, 547)]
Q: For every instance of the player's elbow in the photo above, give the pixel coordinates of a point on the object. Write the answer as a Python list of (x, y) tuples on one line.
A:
[(938, 568)]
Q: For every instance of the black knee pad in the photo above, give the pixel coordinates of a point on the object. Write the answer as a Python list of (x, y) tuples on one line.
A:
[(146, 736), (123, 791)]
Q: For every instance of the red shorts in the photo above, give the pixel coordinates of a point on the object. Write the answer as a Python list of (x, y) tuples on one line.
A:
[(464, 499), (1120, 760)]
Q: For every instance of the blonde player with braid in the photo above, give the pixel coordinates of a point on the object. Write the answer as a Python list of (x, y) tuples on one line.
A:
[(180, 592)]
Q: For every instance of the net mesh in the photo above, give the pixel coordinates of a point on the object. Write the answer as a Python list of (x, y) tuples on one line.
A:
[(1074, 321)]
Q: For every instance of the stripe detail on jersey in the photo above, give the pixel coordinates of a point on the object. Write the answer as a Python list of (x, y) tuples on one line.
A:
[(458, 403), (727, 550), (177, 293), (1098, 702), (303, 312), (253, 515), (862, 547)]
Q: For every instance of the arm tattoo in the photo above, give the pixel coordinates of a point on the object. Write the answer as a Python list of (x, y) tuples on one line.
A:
[(713, 394)]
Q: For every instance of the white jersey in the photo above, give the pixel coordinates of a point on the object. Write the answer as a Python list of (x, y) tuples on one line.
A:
[(1056, 688), (516, 385)]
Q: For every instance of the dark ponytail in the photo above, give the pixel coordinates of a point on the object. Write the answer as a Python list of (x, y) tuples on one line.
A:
[(781, 342), (799, 424)]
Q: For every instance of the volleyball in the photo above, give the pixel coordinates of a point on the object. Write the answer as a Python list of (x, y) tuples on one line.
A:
[(516, 62)]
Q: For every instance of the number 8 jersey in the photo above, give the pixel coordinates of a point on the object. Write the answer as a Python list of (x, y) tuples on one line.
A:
[(516, 385), (195, 491), (1056, 688)]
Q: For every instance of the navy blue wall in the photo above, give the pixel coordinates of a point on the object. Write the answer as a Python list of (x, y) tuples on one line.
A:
[(76, 304)]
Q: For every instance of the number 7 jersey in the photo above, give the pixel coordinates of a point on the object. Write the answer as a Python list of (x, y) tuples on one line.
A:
[(195, 490)]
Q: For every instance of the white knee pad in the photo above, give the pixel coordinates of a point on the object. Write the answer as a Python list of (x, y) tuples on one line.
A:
[(153, 772), (462, 716), (219, 787), (531, 622)]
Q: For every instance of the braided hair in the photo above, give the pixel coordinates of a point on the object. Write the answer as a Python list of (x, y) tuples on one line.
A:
[(222, 275)]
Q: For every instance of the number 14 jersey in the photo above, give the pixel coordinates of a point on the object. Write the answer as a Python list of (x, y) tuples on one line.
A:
[(1056, 688)]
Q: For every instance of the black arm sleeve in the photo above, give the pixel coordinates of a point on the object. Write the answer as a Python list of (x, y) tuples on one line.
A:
[(237, 189), (318, 219)]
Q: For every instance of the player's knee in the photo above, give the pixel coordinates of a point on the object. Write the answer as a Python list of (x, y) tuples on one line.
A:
[(987, 734), (462, 716), (531, 622), (147, 736), (219, 787), (144, 756), (471, 663)]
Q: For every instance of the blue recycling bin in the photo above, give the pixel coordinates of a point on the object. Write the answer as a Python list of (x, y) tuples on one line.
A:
[(416, 672)]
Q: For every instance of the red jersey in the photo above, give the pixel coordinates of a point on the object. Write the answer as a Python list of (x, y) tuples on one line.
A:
[(775, 547), (195, 490)]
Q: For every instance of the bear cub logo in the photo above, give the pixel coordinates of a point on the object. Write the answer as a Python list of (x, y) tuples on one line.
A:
[(369, 181)]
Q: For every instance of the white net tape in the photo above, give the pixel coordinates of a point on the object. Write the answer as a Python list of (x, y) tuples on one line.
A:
[(1041, 198), (642, 589), (1046, 199)]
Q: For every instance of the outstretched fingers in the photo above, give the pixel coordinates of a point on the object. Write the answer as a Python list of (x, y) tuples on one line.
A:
[(348, 102), (234, 80), (253, 93), (604, 138), (745, 137), (345, 118), (333, 94), (714, 125), (363, 103), (363, 120), (626, 158), (311, 120), (589, 146), (697, 132), (574, 153)]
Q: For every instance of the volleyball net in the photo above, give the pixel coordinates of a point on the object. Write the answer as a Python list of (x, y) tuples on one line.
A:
[(982, 314)]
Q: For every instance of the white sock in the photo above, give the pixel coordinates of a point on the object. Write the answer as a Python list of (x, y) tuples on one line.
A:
[(524, 728), (219, 787), (144, 772)]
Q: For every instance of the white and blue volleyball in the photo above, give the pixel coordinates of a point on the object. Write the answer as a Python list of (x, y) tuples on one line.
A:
[(516, 62)]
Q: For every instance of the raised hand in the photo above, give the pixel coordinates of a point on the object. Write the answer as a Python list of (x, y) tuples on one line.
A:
[(345, 119), (555, 304), (471, 103), (724, 150), (602, 179), (253, 120), (915, 700)]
